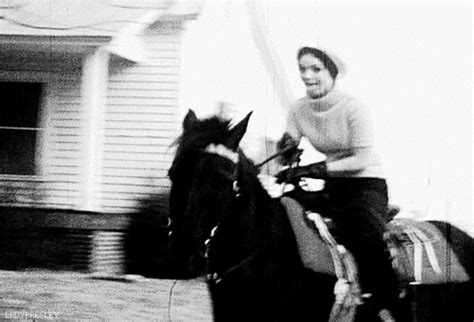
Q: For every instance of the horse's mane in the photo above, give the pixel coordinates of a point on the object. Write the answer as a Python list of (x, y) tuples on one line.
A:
[(203, 132)]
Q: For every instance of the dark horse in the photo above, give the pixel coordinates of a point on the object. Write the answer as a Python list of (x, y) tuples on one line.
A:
[(222, 215)]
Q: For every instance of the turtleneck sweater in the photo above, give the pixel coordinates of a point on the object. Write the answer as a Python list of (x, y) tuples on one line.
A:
[(335, 124)]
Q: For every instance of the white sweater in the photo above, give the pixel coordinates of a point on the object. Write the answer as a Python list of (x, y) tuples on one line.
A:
[(334, 125)]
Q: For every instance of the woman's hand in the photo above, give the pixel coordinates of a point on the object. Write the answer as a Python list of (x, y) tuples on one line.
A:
[(316, 170), (290, 146), (274, 189)]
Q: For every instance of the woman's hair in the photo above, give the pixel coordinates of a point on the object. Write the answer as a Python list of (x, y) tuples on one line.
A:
[(325, 59)]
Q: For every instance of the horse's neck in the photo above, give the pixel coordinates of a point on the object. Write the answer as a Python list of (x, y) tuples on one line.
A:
[(262, 212)]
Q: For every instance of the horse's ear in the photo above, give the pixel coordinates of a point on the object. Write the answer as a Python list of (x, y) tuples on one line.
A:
[(237, 132), (189, 120)]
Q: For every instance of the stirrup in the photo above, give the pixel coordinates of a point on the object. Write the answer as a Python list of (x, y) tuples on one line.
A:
[(386, 316)]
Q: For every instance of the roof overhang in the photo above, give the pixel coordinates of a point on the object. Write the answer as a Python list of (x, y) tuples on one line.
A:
[(126, 42)]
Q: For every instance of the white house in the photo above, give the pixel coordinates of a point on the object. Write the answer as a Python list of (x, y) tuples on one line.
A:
[(90, 94)]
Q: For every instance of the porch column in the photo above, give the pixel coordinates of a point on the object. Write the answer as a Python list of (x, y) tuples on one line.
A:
[(94, 93)]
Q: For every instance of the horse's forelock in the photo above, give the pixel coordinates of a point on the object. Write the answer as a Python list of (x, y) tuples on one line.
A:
[(204, 132)]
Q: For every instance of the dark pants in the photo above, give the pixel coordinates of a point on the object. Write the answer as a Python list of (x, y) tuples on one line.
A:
[(358, 207)]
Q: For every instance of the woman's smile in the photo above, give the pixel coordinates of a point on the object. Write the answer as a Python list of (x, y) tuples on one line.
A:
[(315, 76)]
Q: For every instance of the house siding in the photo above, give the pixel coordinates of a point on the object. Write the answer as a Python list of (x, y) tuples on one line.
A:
[(62, 165), (140, 122), (139, 126)]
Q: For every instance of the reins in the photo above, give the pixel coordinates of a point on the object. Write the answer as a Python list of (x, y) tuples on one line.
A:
[(213, 276), (273, 156)]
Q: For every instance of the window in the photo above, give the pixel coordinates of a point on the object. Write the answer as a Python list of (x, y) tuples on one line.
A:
[(19, 107)]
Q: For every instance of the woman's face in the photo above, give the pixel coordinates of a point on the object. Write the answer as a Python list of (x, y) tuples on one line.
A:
[(315, 75)]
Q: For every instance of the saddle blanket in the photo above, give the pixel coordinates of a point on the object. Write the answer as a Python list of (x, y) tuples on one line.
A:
[(422, 254)]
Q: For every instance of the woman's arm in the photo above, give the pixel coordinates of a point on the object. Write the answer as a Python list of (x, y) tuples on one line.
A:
[(355, 162)]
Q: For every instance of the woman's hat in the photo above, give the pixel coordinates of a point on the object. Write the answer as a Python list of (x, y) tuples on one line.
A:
[(338, 62)]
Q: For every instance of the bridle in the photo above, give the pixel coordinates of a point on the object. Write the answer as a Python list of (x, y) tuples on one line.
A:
[(222, 151), (212, 276)]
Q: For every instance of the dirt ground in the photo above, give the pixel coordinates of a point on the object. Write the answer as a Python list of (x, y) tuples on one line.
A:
[(74, 296)]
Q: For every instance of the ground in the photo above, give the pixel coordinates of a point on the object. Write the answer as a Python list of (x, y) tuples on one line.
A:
[(42, 295), (65, 295)]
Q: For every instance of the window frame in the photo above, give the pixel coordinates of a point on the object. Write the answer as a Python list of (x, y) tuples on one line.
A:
[(35, 77)]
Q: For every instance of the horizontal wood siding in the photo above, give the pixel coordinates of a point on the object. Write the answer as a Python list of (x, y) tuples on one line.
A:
[(140, 122), (140, 125), (63, 167)]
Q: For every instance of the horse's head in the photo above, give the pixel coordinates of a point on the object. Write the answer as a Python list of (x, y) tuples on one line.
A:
[(204, 181)]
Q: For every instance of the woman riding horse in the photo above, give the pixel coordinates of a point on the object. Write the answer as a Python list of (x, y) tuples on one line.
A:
[(339, 126), (253, 267), (221, 213)]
